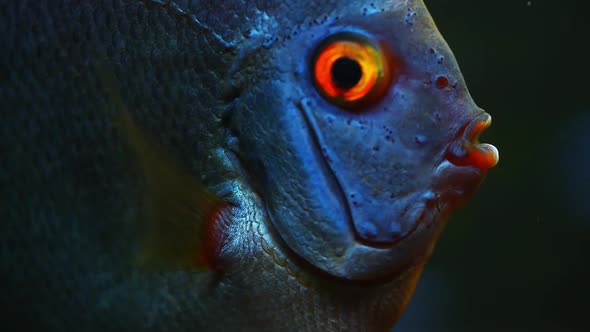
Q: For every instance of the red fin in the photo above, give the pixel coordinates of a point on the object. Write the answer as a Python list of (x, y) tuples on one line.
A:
[(215, 231)]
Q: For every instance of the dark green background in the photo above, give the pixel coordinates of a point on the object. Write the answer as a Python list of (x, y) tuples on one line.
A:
[(517, 256)]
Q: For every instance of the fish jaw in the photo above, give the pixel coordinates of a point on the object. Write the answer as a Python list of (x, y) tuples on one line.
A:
[(363, 194), (394, 199)]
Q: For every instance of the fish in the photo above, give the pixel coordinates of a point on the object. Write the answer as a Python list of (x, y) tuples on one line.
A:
[(226, 165)]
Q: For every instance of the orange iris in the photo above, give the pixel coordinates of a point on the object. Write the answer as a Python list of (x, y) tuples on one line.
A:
[(350, 71)]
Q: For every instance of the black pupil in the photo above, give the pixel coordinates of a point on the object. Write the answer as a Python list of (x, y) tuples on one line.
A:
[(346, 73)]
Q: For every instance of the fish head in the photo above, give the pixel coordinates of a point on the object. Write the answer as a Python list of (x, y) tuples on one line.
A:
[(361, 136)]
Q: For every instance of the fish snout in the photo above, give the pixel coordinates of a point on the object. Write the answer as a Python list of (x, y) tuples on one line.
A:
[(466, 150)]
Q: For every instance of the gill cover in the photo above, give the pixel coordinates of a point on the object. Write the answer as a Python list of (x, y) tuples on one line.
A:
[(346, 134)]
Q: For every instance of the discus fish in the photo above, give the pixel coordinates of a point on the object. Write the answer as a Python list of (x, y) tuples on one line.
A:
[(226, 165)]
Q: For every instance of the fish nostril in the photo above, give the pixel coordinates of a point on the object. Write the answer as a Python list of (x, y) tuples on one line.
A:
[(466, 150)]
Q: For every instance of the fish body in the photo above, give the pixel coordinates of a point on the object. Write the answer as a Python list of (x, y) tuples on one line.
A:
[(181, 165)]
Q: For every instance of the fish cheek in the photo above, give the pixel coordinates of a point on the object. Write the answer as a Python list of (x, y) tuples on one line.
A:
[(382, 160), (285, 169)]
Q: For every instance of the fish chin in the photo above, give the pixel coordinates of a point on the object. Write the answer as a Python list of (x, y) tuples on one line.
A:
[(423, 215), (455, 185)]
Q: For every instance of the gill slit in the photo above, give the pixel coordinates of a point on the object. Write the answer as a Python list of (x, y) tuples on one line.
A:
[(334, 178), (357, 238)]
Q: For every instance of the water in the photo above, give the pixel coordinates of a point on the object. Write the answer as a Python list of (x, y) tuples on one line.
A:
[(515, 258)]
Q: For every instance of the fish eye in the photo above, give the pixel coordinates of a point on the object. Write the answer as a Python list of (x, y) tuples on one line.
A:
[(350, 70)]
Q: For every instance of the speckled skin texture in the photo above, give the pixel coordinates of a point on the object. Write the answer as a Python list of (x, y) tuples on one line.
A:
[(216, 84)]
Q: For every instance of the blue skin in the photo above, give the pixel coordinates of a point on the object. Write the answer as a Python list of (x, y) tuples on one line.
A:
[(359, 194)]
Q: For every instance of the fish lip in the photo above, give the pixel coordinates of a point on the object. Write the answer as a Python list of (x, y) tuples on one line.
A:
[(472, 129), (477, 126), (465, 148)]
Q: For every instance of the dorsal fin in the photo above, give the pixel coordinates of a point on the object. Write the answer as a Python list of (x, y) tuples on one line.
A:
[(180, 220)]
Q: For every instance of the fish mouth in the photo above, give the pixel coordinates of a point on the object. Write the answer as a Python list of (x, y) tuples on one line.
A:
[(465, 164), (466, 150)]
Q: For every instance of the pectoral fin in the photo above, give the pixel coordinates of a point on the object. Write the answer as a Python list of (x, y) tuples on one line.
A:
[(182, 224), (179, 229)]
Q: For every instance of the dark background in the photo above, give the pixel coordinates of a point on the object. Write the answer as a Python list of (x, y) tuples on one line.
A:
[(517, 256)]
